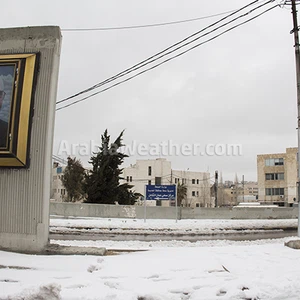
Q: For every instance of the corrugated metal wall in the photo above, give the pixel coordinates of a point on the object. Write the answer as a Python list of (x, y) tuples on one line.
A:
[(24, 193)]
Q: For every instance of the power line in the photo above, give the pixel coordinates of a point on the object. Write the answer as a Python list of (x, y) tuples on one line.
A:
[(148, 25), (167, 60), (59, 159), (163, 62), (129, 70), (195, 39)]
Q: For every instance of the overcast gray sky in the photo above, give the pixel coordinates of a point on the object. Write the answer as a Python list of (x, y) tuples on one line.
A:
[(238, 89)]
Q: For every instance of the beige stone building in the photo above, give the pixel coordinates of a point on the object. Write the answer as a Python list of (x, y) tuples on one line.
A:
[(198, 187), (277, 177), (234, 193), (58, 191), (159, 171), (152, 171)]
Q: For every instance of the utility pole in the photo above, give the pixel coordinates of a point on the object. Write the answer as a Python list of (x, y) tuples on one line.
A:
[(243, 189), (236, 189), (221, 190), (297, 56), (216, 188)]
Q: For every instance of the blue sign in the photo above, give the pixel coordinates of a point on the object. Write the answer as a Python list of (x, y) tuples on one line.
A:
[(160, 192)]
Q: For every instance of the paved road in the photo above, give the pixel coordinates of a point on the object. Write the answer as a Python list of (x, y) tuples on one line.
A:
[(240, 236)]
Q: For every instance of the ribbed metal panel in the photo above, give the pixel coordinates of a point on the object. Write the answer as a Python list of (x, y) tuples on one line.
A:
[(24, 193)]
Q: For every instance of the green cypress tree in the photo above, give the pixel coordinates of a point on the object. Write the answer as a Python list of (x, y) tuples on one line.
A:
[(102, 182), (126, 196), (73, 178)]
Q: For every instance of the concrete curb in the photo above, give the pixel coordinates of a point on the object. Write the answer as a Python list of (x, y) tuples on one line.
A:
[(55, 249)]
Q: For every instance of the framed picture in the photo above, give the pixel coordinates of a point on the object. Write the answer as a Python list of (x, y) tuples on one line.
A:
[(17, 85)]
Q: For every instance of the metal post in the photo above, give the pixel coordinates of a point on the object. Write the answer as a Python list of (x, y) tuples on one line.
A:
[(243, 189), (145, 204), (297, 56), (216, 188), (176, 209)]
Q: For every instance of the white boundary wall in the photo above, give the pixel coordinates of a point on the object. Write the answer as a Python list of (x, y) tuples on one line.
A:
[(133, 211), (24, 193)]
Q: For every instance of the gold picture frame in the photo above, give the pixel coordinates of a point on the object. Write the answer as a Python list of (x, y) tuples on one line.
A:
[(17, 86)]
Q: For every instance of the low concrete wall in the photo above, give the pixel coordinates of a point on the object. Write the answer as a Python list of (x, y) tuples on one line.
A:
[(137, 212)]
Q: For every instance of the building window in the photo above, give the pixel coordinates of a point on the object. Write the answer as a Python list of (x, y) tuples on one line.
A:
[(127, 178), (158, 202), (197, 181), (149, 182), (157, 180), (197, 193), (193, 193), (278, 161), (175, 180), (193, 181), (130, 178), (270, 162), (197, 204), (149, 171), (274, 191), (274, 176)]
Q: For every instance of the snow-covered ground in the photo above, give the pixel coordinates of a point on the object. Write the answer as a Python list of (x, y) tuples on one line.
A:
[(149, 245), (207, 270), (157, 226), (171, 270)]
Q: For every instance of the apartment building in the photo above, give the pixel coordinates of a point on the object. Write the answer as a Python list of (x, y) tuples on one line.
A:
[(159, 171), (58, 191), (198, 187), (277, 177), (152, 172), (251, 189), (231, 194), (148, 172)]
